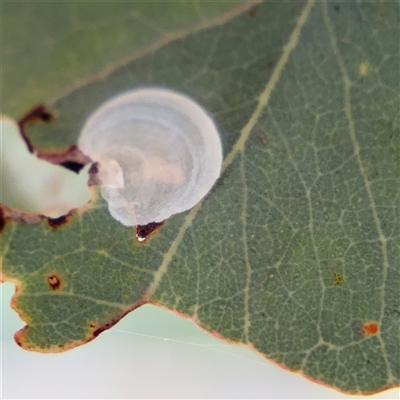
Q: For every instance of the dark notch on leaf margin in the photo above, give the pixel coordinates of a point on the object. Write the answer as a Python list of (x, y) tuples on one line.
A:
[(96, 329), (36, 114), (55, 223), (143, 232), (72, 159)]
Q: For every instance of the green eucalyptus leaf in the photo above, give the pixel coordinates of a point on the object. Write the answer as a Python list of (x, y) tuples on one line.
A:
[(295, 252)]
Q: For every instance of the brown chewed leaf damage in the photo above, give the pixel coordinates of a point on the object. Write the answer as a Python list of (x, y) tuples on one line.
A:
[(36, 114), (113, 320), (72, 158), (55, 282), (57, 222), (10, 214), (143, 232)]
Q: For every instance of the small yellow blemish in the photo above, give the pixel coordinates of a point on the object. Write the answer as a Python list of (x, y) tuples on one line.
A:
[(363, 68)]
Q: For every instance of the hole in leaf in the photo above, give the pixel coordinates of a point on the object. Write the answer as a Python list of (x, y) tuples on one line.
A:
[(33, 185)]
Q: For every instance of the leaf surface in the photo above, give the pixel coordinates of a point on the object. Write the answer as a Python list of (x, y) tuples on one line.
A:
[(295, 252)]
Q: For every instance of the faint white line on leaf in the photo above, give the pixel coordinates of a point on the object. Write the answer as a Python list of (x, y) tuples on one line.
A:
[(163, 41), (206, 346), (239, 145), (352, 133)]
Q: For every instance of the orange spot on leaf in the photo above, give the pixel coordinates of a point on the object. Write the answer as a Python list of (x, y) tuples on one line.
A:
[(370, 329)]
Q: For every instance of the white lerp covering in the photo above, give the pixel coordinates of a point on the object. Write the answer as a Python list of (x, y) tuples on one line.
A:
[(159, 154)]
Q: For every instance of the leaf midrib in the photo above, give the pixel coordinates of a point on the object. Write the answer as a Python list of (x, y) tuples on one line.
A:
[(238, 147)]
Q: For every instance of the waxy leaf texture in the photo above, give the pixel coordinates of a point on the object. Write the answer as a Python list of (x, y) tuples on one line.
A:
[(295, 252)]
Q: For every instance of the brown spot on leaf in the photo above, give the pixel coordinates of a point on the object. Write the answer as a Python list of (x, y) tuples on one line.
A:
[(55, 281), (336, 7), (252, 12), (370, 329), (339, 279), (262, 139), (270, 64), (143, 232)]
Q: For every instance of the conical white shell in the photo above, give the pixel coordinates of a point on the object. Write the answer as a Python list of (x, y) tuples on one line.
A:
[(159, 154)]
